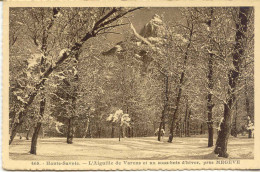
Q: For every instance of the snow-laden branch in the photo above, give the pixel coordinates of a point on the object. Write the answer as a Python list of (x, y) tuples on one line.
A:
[(140, 37)]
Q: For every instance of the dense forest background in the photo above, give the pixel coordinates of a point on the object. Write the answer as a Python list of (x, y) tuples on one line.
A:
[(131, 72)]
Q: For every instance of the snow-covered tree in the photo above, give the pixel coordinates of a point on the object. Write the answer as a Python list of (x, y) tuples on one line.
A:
[(120, 119), (103, 20), (238, 53)]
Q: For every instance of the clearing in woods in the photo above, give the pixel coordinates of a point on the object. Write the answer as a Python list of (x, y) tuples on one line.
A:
[(142, 148)]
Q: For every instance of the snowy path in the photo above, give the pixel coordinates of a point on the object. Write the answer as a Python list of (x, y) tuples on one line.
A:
[(129, 148)]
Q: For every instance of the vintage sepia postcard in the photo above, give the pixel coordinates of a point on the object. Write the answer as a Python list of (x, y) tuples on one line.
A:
[(131, 85)]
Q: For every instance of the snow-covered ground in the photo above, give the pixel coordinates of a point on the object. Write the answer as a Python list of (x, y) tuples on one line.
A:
[(143, 148)]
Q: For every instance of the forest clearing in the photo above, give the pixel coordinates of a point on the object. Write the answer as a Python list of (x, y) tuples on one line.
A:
[(143, 148), (131, 83)]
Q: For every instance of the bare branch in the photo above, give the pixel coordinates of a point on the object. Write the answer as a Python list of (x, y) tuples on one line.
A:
[(112, 26), (118, 16)]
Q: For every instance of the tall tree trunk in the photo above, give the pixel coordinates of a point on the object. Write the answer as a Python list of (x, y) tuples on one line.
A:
[(129, 131), (119, 132), (183, 129), (174, 116), (12, 125), (162, 123), (15, 128), (35, 138), (234, 129), (249, 133), (70, 131), (122, 131), (99, 131), (210, 104), (248, 109), (225, 129), (37, 128), (210, 133), (12, 116), (90, 132), (113, 130), (179, 93), (186, 120), (43, 132), (27, 134), (188, 123), (241, 29), (42, 65), (86, 129), (159, 131), (180, 128)]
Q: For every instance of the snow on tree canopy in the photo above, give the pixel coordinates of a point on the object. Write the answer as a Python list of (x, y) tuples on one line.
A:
[(119, 112), (125, 119), (57, 125), (110, 117), (34, 60), (58, 15), (63, 51), (180, 38), (250, 125), (119, 117)]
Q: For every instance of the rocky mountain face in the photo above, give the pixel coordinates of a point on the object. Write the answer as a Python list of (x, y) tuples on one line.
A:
[(154, 31), (154, 28)]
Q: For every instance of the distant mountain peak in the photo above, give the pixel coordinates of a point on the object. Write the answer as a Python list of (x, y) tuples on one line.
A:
[(157, 19), (154, 28)]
